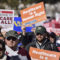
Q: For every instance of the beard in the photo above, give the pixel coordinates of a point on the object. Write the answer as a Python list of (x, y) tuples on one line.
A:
[(42, 40)]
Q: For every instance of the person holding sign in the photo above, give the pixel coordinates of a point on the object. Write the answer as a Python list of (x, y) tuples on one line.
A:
[(41, 40), (12, 50), (3, 56), (25, 37)]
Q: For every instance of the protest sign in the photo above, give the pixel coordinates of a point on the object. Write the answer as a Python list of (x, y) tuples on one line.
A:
[(18, 24), (33, 14), (6, 18), (40, 54)]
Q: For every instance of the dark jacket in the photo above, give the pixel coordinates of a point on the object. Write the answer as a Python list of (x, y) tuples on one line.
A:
[(45, 45), (25, 39), (53, 46), (8, 58), (23, 52), (15, 58), (5, 57)]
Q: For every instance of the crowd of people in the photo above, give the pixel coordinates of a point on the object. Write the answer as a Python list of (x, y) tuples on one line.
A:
[(14, 46)]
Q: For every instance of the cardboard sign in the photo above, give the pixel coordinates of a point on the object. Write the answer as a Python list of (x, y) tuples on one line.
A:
[(40, 54), (18, 24), (6, 18), (33, 14)]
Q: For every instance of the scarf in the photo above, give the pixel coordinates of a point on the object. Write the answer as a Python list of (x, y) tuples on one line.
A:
[(11, 52)]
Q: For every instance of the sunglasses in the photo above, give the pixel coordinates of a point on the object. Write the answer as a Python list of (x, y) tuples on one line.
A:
[(11, 38), (39, 34)]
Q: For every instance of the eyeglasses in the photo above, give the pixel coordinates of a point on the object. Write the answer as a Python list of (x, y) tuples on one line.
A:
[(11, 38)]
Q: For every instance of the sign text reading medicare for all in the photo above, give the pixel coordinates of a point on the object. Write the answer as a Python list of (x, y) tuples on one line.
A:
[(6, 17)]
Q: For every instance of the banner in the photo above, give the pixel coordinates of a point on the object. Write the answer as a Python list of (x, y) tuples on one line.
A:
[(40, 54), (18, 24), (6, 18), (33, 14)]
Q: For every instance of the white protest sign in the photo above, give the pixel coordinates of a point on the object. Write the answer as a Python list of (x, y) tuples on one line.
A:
[(6, 18)]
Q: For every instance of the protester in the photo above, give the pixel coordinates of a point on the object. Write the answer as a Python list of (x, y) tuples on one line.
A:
[(47, 35), (25, 37), (52, 37), (11, 41), (2, 37), (41, 40), (0, 29), (52, 42), (3, 56)]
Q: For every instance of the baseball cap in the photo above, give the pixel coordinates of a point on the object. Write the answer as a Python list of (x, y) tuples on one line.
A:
[(11, 33), (40, 29)]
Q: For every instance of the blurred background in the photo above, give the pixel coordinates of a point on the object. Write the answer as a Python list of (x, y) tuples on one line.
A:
[(51, 6)]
